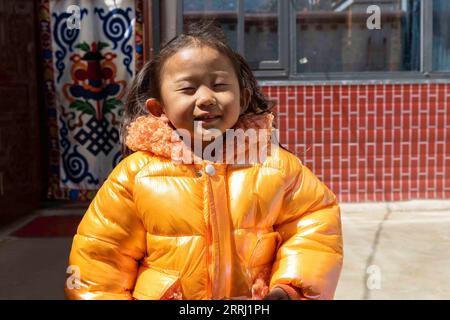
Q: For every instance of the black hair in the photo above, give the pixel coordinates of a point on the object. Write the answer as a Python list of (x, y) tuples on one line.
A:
[(146, 84)]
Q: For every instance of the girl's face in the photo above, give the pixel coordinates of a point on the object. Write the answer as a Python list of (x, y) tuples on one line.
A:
[(199, 84)]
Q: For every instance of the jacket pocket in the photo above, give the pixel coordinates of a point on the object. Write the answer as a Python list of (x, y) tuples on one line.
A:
[(265, 249), (154, 283)]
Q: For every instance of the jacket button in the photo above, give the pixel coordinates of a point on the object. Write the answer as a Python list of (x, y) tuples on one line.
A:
[(199, 173), (210, 169)]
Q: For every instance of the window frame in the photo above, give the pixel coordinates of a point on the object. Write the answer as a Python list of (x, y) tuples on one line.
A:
[(284, 69), (281, 65), (267, 67)]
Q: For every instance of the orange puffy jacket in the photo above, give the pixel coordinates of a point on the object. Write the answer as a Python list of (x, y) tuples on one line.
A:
[(162, 230)]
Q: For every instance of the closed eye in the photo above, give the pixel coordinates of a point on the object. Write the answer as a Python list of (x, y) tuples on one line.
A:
[(186, 89), (221, 87)]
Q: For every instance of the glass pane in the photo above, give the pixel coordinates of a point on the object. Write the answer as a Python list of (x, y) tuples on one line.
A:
[(222, 11), (261, 31), (341, 36), (441, 35)]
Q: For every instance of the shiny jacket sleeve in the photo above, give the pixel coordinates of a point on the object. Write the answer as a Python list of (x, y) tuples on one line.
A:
[(311, 254), (109, 241)]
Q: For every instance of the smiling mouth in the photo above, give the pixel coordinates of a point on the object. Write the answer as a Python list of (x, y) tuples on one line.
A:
[(207, 118)]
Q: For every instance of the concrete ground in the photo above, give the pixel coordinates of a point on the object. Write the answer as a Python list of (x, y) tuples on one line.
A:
[(392, 251), (396, 251)]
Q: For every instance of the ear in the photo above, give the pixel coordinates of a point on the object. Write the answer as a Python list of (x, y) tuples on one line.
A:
[(155, 108), (245, 99)]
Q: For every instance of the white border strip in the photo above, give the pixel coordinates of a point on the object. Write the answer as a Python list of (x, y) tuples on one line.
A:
[(412, 205), (350, 82)]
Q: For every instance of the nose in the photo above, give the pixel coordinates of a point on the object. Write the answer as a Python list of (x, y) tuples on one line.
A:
[(205, 97)]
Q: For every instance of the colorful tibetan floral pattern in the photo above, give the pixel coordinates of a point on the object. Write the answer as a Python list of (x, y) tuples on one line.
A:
[(90, 54)]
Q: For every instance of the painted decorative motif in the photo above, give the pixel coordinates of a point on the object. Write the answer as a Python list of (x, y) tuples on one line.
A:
[(86, 71)]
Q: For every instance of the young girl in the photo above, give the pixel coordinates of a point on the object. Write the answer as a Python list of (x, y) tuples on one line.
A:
[(170, 223)]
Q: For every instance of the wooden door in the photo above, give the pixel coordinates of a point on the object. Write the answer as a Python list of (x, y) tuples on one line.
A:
[(20, 151)]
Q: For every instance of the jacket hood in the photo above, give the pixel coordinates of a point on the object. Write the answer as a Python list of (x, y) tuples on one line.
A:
[(155, 135)]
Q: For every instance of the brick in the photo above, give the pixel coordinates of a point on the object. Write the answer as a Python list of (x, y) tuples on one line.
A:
[(395, 128), (406, 95), (327, 119), (344, 148), (447, 172), (353, 100), (439, 183), (371, 105), (327, 151), (282, 90), (292, 135), (431, 146), (318, 150), (345, 92), (317, 136), (309, 136), (309, 91), (440, 104), (282, 99), (388, 106), (318, 98), (387, 150), (353, 150), (272, 91), (318, 123), (424, 121), (388, 188), (405, 134), (335, 95), (423, 194), (336, 124), (291, 90), (282, 124), (415, 118), (398, 121), (379, 196), (388, 122), (388, 135), (336, 149), (283, 136), (370, 196), (431, 169), (423, 132), (396, 196), (308, 120), (292, 122), (440, 155), (415, 89)]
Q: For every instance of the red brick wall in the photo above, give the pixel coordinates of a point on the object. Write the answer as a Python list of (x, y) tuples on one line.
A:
[(370, 142)]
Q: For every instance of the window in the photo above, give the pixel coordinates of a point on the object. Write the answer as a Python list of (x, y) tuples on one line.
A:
[(334, 36), (252, 27), (441, 36), (333, 39), (224, 12), (261, 31)]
